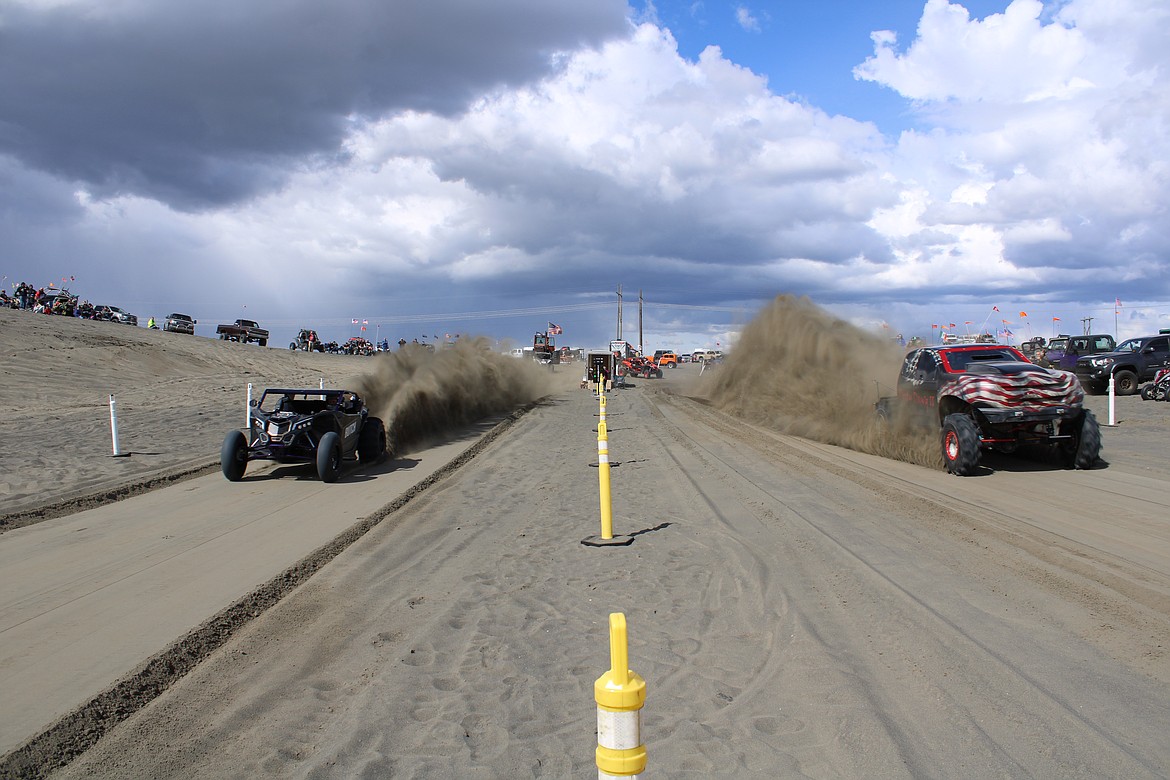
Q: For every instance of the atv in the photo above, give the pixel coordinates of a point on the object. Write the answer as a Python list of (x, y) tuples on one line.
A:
[(321, 427)]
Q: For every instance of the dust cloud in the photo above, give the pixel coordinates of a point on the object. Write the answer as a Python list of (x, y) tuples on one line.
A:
[(799, 370), (421, 394)]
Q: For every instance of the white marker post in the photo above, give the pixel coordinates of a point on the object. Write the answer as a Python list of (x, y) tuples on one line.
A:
[(114, 426), (1112, 395), (248, 410)]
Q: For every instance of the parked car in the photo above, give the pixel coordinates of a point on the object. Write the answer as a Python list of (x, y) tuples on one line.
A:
[(1064, 351), (179, 323), (115, 314), (244, 331), (668, 360), (1133, 362)]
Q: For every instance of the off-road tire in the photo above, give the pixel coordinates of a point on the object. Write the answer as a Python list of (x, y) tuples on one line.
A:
[(1088, 443), (658, 374), (233, 456), (372, 441), (1148, 393), (263, 342), (960, 444), (1125, 382), (292, 347), (329, 457)]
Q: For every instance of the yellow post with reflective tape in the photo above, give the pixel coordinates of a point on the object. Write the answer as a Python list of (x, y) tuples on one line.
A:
[(620, 694), (603, 480)]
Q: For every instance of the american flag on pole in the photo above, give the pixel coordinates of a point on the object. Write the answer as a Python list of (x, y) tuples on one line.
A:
[(555, 330)]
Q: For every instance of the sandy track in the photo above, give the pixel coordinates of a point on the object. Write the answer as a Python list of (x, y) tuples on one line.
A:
[(796, 609)]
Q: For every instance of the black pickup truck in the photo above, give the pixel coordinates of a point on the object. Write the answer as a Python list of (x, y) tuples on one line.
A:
[(1133, 362), (244, 331)]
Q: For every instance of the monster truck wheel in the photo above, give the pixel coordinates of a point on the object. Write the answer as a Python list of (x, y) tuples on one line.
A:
[(960, 444), (1088, 447), (881, 424), (233, 456), (329, 457), (1125, 382), (372, 441)]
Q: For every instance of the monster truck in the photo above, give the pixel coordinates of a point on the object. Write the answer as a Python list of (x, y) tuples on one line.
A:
[(988, 396), (322, 427), (244, 331)]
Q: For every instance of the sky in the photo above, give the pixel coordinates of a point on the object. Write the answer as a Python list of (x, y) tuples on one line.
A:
[(460, 167)]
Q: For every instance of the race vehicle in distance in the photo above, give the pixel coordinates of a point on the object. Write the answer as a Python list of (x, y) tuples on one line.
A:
[(989, 396), (321, 427)]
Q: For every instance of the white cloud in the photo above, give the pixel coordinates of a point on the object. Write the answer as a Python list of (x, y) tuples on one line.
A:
[(746, 19), (1039, 164)]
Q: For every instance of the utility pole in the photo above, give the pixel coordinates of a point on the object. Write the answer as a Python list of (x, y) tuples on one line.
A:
[(1087, 322), (619, 328), (641, 351)]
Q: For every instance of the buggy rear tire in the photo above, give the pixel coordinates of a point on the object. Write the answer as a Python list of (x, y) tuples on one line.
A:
[(329, 457), (960, 444), (233, 456), (1088, 448), (372, 441)]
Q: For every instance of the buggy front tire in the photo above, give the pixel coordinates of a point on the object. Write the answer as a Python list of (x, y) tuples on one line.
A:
[(960, 444), (329, 457), (233, 456)]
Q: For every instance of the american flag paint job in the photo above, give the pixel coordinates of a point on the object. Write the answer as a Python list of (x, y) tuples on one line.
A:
[(1026, 388)]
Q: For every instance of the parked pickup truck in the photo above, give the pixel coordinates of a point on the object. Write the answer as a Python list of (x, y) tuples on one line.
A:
[(1133, 362), (179, 323), (244, 331), (1064, 351)]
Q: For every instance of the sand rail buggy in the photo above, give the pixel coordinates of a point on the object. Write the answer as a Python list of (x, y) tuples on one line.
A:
[(990, 397), (321, 427)]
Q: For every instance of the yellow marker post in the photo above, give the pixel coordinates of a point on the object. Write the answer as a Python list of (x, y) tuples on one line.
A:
[(603, 480), (602, 414), (620, 694)]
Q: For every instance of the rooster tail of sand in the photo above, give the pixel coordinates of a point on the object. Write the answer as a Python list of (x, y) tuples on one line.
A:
[(421, 394), (799, 370)]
